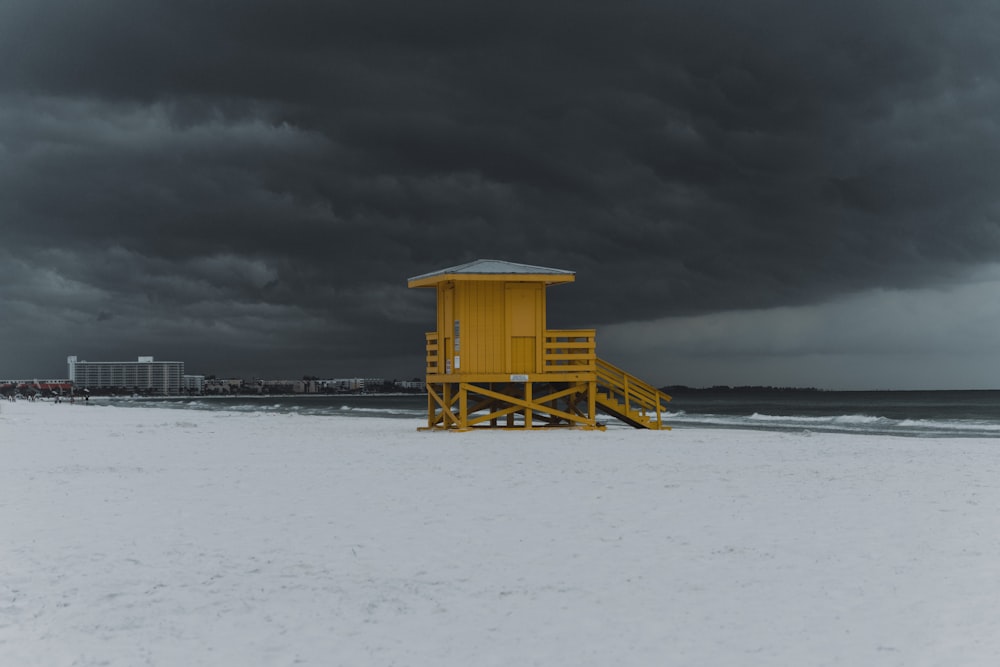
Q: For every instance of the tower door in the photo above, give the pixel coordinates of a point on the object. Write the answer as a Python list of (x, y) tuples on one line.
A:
[(525, 322)]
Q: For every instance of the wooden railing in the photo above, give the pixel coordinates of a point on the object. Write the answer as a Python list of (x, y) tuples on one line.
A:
[(569, 351), (563, 351), (635, 395), (433, 353)]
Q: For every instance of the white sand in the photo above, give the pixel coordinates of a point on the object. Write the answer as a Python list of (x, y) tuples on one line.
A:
[(145, 536)]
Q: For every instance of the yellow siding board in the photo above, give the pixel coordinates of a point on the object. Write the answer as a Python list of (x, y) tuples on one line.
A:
[(495, 315), (522, 352)]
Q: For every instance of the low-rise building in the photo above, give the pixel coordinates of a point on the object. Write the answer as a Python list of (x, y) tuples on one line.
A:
[(410, 385), (224, 385), (42, 387), (351, 385)]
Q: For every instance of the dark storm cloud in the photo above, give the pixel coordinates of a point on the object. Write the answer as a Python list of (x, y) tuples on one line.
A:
[(268, 174)]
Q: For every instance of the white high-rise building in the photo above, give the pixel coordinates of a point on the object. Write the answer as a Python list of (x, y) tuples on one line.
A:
[(146, 374)]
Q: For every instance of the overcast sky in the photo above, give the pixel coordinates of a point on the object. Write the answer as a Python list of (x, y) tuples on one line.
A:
[(763, 192)]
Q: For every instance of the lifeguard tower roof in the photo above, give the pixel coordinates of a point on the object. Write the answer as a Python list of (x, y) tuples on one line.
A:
[(483, 269)]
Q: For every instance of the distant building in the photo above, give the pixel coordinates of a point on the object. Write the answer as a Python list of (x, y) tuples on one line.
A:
[(42, 387), (351, 385), (410, 385), (193, 384), (223, 385), (146, 374)]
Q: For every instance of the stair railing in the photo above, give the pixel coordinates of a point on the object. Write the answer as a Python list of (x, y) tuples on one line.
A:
[(637, 396)]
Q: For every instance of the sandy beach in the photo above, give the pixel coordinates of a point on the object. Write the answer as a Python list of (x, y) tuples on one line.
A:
[(150, 536)]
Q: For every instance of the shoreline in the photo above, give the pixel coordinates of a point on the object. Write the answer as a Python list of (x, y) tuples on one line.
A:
[(931, 416)]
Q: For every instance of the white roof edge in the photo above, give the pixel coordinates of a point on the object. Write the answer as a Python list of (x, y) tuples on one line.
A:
[(495, 267)]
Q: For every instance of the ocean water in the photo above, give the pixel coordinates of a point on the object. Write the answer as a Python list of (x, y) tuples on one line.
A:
[(903, 413), (900, 413)]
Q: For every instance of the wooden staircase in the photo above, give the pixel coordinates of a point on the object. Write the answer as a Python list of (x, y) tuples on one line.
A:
[(629, 399)]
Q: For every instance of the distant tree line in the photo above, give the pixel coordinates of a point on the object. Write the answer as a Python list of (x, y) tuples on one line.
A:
[(743, 389)]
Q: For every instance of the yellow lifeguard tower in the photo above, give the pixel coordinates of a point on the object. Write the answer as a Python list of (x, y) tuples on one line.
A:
[(492, 361)]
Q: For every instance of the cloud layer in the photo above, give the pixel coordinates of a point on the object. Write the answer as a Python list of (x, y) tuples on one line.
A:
[(247, 185)]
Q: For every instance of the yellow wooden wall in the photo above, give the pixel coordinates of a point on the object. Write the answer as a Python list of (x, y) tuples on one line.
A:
[(501, 326)]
